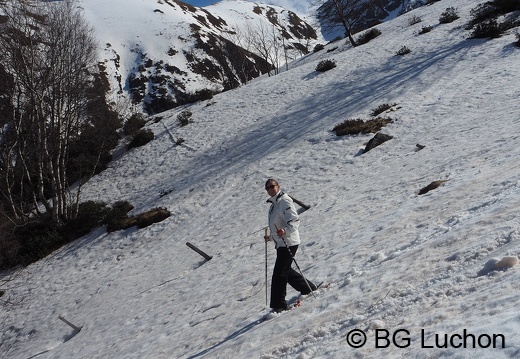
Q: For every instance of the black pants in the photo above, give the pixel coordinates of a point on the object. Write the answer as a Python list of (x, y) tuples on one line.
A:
[(283, 273)]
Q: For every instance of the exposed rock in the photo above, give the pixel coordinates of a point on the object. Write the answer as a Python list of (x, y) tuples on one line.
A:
[(377, 140)]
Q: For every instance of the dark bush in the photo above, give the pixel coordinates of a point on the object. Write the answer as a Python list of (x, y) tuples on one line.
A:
[(325, 65), (357, 126), (159, 103), (200, 95), (117, 216), (30, 242), (25, 243), (184, 118), (403, 51), (481, 13), (9, 247), (91, 214), (484, 21), (318, 47), (486, 29), (506, 6), (425, 29), (134, 124), (517, 42), (36, 240), (141, 138), (449, 15), (368, 36)]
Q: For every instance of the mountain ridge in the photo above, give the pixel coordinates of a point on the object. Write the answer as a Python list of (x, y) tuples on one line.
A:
[(171, 49)]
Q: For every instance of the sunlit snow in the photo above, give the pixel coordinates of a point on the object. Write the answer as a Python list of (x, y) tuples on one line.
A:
[(423, 267)]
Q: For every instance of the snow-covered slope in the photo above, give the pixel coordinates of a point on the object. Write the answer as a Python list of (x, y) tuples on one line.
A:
[(416, 265), (158, 52)]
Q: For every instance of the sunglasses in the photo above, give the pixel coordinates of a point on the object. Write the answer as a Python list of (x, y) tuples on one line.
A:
[(267, 188)]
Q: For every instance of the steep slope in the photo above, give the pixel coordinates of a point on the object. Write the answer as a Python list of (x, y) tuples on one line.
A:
[(166, 53), (399, 261)]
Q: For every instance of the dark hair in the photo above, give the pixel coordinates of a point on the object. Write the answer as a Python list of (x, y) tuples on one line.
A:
[(272, 181)]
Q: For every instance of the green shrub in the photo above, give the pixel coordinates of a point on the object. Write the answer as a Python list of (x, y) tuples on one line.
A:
[(368, 36), (325, 65), (357, 126), (449, 15), (141, 138)]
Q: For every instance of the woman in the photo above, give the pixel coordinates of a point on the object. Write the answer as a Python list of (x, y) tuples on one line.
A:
[(283, 226)]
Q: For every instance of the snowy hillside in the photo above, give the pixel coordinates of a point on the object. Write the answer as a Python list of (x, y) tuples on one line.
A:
[(158, 52), (422, 267)]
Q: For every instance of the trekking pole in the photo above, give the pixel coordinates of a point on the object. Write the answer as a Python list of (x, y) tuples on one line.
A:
[(297, 266), (265, 240)]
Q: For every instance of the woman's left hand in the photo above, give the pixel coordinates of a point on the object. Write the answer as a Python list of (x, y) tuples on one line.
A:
[(281, 232)]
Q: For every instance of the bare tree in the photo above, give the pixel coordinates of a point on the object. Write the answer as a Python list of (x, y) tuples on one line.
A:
[(47, 56), (266, 41), (239, 53), (343, 13)]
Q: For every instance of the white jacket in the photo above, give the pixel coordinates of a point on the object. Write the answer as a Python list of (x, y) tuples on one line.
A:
[(283, 215)]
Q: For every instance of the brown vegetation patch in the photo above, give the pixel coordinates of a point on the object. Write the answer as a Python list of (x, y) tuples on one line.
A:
[(357, 126)]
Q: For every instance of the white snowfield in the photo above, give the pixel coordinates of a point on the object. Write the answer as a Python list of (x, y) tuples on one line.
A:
[(416, 276)]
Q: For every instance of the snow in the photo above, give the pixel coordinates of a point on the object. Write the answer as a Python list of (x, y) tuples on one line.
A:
[(423, 267)]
